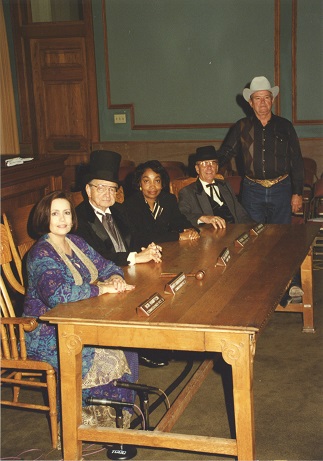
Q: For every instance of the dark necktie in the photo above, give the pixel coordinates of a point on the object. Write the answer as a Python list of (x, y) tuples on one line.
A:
[(214, 193), (112, 230)]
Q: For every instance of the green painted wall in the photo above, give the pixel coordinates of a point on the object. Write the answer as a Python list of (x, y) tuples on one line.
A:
[(187, 61)]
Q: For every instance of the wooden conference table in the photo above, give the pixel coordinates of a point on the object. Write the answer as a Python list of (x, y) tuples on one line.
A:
[(224, 312)]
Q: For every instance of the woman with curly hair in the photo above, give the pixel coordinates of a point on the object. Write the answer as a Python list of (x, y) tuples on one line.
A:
[(153, 211)]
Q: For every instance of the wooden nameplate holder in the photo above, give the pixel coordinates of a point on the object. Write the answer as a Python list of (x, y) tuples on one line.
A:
[(149, 306), (241, 240), (224, 257), (175, 284), (257, 229)]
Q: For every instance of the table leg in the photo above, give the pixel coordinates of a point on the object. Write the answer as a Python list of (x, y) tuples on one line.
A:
[(239, 354), (307, 285), (70, 353)]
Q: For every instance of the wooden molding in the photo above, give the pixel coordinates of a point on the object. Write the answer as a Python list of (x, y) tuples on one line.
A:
[(295, 119)]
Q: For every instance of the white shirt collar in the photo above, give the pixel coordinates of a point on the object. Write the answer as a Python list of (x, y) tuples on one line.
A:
[(97, 210), (208, 190)]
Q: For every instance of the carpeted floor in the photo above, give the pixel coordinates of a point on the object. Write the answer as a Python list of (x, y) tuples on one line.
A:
[(288, 398)]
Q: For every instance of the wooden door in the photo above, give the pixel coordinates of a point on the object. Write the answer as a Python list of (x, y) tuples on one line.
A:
[(56, 78), (59, 70)]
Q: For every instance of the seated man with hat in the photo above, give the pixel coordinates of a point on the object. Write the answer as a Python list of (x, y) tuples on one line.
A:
[(210, 200), (102, 222)]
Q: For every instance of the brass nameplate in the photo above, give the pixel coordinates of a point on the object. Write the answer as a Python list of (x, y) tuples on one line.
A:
[(150, 305), (257, 229), (241, 240), (176, 283), (224, 257)]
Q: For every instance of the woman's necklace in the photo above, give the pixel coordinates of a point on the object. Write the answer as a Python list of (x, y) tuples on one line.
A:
[(86, 261)]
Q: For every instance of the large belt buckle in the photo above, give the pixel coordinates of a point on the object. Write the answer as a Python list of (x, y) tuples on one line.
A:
[(268, 182)]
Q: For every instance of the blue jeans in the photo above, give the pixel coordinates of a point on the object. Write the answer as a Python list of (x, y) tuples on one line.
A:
[(268, 205)]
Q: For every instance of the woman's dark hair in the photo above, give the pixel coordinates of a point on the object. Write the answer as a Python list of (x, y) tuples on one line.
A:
[(41, 217), (157, 167)]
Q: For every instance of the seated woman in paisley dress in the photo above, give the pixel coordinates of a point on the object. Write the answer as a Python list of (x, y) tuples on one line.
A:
[(63, 268)]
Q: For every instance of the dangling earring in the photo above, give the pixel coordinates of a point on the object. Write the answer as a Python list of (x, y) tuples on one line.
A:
[(140, 188)]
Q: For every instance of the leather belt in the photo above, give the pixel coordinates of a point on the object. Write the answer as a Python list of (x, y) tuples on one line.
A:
[(268, 182)]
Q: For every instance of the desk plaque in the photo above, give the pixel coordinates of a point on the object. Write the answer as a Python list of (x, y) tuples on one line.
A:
[(176, 283), (257, 229), (150, 305), (224, 257), (241, 240)]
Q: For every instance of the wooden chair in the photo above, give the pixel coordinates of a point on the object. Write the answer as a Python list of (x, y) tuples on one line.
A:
[(317, 201), (235, 183), (17, 370), (177, 184), (126, 168), (76, 197), (6, 262), (310, 176), (16, 222)]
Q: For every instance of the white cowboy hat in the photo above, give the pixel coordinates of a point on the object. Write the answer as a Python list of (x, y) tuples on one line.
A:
[(259, 84)]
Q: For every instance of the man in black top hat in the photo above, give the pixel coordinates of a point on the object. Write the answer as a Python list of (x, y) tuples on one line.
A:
[(210, 200), (101, 221)]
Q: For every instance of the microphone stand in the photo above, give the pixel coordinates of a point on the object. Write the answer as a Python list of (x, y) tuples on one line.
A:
[(116, 451), (144, 405), (143, 393)]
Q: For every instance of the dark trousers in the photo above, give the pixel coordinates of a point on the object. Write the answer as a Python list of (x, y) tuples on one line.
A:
[(268, 205)]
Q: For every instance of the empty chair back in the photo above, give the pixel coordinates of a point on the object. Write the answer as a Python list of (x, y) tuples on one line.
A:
[(310, 172), (318, 199), (77, 197), (177, 184), (127, 167), (6, 261), (235, 183), (17, 224)]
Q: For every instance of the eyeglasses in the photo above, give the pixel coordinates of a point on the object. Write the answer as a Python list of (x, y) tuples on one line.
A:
[(101, 188), (208, 163)]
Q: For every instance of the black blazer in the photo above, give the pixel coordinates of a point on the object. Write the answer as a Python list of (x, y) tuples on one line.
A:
[(92, 230), (194, 202), (165, 228)]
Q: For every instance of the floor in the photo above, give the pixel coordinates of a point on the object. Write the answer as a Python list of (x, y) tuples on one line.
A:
[(288, 398)]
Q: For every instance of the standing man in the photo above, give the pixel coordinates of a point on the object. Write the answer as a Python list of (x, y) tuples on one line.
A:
[(268, 147), (210, 200), (101, 221)]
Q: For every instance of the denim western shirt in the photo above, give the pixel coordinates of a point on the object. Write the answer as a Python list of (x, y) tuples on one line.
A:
[(265, 152)]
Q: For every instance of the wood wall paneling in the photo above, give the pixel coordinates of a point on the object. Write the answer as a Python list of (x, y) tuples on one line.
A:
[(25, 184)]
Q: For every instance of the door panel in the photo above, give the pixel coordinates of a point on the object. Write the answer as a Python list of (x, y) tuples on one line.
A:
[(60, 85)]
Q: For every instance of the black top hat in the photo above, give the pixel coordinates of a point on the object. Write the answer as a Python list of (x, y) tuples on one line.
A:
[(104, 164), (206, 153)]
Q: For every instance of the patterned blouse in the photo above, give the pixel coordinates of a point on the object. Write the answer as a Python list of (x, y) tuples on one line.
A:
[(51, 282)]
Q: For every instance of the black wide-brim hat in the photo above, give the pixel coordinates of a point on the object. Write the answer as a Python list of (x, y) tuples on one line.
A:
[(104, 164), (206, 153)]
